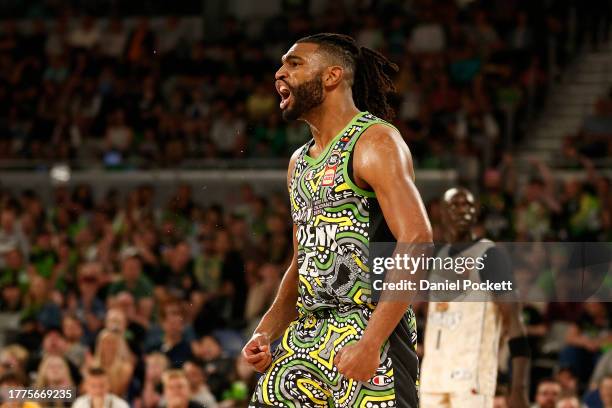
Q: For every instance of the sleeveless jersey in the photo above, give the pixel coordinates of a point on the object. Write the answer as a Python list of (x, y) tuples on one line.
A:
[(462, 339), (335, 221)]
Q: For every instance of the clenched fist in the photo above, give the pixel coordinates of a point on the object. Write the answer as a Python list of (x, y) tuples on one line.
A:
[(257, 352), (358, 361)]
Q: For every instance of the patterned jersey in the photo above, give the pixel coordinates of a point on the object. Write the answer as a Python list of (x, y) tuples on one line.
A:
[(335, 220)]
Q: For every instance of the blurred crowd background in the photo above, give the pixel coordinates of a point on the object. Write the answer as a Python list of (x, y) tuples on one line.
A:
[(144, 286)]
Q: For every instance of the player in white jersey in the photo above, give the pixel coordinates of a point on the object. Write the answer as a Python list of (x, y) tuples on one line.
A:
[(462, 336)]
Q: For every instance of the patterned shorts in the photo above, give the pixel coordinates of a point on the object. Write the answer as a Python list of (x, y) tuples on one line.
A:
[(303, 374)]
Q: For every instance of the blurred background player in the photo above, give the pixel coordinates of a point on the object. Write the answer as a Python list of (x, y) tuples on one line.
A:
[(462, 337)]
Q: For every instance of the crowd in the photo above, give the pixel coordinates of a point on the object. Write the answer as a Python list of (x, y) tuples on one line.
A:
[(593, 139), (152, 304), (130, 94), (142, 291)]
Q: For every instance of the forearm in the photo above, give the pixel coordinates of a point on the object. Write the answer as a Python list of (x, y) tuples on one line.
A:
[(283, 311), (383, 321), (393, 305)]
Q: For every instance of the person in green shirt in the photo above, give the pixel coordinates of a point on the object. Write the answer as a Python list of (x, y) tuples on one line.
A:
[(135, 282)]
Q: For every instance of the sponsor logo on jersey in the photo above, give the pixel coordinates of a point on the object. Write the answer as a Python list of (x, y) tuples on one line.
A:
[(328, 177), (460, 374), (381, 380), (447, 320)]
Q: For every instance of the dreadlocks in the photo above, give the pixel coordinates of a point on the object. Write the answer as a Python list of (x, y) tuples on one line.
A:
[(368, 70)]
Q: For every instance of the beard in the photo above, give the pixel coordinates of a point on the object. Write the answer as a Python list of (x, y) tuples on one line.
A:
[(306, 96)]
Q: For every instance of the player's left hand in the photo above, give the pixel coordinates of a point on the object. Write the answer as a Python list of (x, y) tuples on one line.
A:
[(358, 361)]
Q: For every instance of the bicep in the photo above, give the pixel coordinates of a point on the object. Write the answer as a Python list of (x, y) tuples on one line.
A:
[(384, 162)]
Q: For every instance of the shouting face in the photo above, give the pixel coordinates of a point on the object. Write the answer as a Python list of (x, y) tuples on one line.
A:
[(299, 81)]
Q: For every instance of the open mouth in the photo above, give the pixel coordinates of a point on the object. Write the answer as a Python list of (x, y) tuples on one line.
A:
[(285, 94)]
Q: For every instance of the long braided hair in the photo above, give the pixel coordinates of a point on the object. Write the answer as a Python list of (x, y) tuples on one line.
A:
[(371, 71)]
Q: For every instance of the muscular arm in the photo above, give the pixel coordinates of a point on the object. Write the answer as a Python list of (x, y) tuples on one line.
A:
[(281, 313), (382, 162)]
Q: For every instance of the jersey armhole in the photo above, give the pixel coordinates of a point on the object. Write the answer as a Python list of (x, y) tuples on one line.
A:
[(347, 166)]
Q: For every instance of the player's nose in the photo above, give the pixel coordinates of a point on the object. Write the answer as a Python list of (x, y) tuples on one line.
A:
[(281, 73)]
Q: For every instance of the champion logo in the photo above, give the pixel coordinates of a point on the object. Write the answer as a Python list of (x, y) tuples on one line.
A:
[(381, 380)]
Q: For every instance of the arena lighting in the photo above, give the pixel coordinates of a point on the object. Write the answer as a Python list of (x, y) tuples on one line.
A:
[(60, 173)]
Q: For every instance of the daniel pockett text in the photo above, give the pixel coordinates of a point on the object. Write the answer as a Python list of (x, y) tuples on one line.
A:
[(476, 271), (442, 274)]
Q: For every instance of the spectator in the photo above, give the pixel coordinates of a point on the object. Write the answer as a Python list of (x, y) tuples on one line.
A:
[(54, 372), (262, 292), (605, 392), (197, 382), (86, 36), (39, 305), (97, 392), (11, 232), (569, 402), (86, 304), (218, 366), (115, 39), (174, 343), (121, 319), (428, 36), (547, 393), (73, 333), (176, 390), (585, 339), (13, 278), (135, 282), (228, 133), (151, 392), (14, 380), (113, 353), (13, 358)]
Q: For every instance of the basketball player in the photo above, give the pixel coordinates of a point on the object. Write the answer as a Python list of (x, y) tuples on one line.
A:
[(462, 337), (351, 185)]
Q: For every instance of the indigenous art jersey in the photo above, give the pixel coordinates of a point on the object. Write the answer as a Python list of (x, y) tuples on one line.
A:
[(336, 221)]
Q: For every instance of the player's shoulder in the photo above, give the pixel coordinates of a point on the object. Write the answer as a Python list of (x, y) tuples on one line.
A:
[(381, 144), (296, 155), (294, 158), (382, 132)]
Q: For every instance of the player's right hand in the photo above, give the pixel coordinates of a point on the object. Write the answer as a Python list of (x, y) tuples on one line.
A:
[(257, 352)]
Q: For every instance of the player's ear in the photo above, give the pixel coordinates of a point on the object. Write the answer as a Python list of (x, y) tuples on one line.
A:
[(333, 75)]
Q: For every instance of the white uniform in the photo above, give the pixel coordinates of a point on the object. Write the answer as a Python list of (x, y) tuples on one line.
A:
[(459, 366)]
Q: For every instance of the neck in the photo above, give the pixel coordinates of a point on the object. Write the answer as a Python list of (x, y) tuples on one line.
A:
[(328, 119)]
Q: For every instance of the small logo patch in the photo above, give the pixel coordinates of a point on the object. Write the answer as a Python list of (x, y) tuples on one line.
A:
[(334, 159), (310, 175), (381, 380), (328, 177)]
